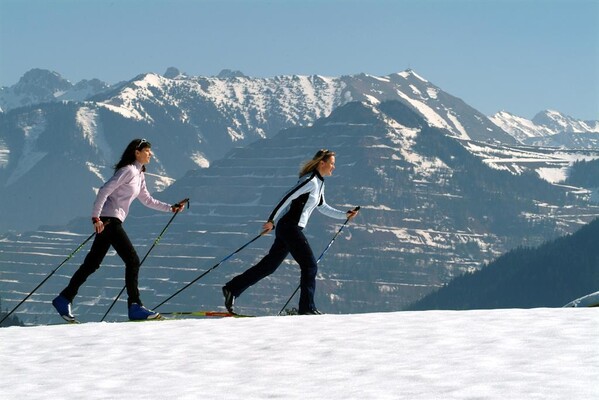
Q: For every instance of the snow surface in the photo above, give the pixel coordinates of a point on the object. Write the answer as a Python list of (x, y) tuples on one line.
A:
[(483, 354)]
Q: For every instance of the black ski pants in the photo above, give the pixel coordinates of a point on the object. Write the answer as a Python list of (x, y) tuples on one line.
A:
[(113, 235), (289, 238)]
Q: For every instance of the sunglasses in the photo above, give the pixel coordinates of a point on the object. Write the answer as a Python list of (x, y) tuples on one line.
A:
[(141, 144), (322, 153)]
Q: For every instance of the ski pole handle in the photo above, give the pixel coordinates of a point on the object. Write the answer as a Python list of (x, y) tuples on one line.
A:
[(352, 213), (180, 205)]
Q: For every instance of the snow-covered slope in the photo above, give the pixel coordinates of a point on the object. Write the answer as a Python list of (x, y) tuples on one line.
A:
[(550, 164), (4, 153), (559, 122), (548, 354), (519, 127)]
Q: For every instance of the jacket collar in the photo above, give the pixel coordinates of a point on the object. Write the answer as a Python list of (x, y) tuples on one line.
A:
[(139, 166)]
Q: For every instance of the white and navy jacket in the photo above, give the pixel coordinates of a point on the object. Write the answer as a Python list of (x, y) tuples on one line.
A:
[(302, 199)]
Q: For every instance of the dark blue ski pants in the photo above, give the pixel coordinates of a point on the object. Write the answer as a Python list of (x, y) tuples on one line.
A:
[(289, 238)]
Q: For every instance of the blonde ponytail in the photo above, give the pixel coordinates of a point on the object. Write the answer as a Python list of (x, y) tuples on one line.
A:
[(310, 165)]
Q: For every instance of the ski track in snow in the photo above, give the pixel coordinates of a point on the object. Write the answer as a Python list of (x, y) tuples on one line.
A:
[(485, 354)]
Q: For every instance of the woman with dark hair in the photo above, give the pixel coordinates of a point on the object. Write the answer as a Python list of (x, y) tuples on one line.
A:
[(295, 207), (109, 212)]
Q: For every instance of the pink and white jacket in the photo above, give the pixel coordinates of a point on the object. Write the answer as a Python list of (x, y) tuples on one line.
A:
[(116, 195)]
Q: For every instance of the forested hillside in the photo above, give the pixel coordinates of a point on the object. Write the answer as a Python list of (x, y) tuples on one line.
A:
[(585, 174), (550, 275)]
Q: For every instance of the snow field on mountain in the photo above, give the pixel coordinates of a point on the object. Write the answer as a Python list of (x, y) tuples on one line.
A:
[(4, 154), (482, 354), (30, 155)]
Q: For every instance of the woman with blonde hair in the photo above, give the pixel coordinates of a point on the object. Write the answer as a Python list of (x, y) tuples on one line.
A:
[(294, 210)]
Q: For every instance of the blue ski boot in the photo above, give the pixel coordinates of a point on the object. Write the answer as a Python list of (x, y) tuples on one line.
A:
[(63, 306), (140, 313)]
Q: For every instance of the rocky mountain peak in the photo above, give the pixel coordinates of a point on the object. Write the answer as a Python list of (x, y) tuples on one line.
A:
[(174, 73), (228, 73)]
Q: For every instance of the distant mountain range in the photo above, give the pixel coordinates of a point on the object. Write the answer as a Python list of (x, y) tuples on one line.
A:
[(550, 129), (42, 86), (47, 131), (443, 189)]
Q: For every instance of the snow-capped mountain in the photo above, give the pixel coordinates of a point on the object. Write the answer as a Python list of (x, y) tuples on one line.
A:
[(253, 107), (519, 127), (43, 86), (563, 123), (551, 129), (191, 121), (431, 210)]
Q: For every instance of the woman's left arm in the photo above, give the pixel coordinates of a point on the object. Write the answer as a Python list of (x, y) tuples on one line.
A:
[(147, 200), (332, 212)]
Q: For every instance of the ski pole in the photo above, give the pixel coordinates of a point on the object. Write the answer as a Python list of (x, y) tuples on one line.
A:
[(214, 267), (319, 258), (146, 256), (48, 277)]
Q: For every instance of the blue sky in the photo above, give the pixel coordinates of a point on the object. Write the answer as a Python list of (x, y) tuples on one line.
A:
[(521, 56)]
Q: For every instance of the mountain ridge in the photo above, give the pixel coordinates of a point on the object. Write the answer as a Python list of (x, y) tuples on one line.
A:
[(41, 86), (191, 121), (550, 128)]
